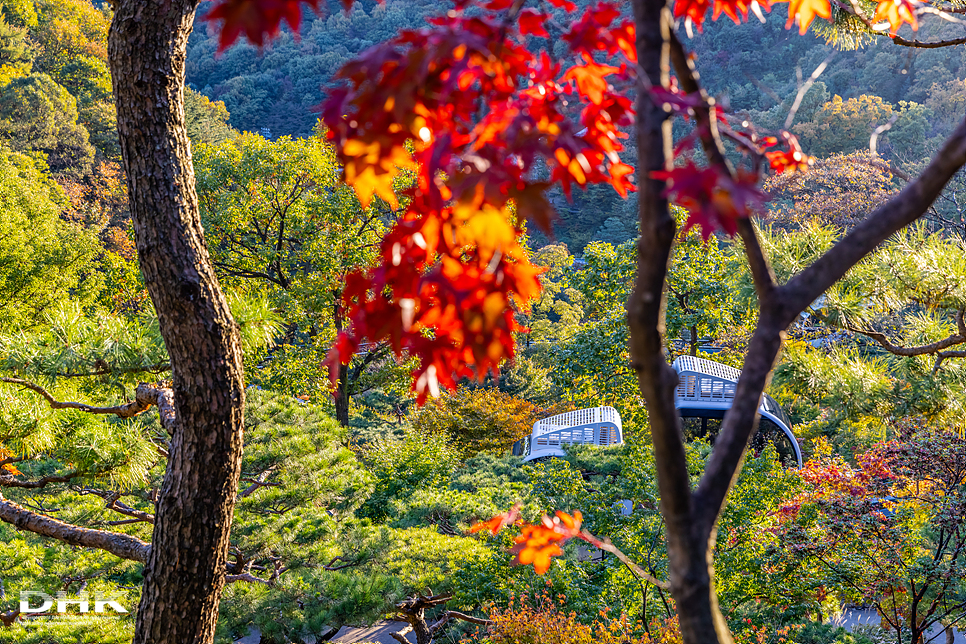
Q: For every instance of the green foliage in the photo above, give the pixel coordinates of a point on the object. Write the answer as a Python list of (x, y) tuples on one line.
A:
[(38, 115), (851, 373), (400, 467), (479, 420), (704, 303), (71, 42), (281, 225), (844, 126), (77, 630), (42, 258), (206, 120)]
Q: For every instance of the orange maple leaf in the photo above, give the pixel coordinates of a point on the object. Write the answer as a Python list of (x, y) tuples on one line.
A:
[(9, 467), (538, 543), (498, 522), (591, 80), (805, 11), (896, 12)]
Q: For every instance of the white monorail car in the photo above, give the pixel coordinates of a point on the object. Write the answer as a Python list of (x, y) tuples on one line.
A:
[(600, 426), (706, 391)]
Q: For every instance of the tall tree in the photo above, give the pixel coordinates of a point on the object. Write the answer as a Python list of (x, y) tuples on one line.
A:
[(279, 219), (185, 569)]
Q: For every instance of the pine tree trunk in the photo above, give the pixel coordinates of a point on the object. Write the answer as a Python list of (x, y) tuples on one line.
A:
[(184, 573)]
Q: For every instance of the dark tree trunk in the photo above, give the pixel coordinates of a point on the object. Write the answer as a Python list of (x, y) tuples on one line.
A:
[(342, 396), (689, 545), (185, 570)]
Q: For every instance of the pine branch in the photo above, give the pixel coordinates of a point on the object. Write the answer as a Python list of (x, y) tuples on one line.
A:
[(119, 545), (399, 636), (452, 614), (144, 397), (113, 502), (257, 482), (107, 370), (8, 480)]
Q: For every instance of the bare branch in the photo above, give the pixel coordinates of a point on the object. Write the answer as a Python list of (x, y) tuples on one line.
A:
[(900, 211), (791, 299), (803, 89), (899, 40), (349, 563), (707, 126), (9, 617)]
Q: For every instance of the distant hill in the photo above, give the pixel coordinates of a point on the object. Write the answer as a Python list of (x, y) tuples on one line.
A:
[(755, 70)]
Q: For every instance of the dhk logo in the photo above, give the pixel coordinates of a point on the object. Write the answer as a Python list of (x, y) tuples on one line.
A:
[(82, 602)]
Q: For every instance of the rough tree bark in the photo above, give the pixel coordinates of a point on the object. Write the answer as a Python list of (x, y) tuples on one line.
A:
[(691, 515), (184, 573)]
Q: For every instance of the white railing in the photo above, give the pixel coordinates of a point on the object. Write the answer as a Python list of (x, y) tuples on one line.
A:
[(578, 418), (701, 379)]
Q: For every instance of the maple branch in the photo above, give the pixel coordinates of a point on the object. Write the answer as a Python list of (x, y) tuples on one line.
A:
[(608, 546), (794, 297), (707, 127), (688, 547), (903, 209)]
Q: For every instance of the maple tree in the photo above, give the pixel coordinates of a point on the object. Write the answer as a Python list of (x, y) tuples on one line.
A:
[(480, 115), (487, 125), (889, 532)]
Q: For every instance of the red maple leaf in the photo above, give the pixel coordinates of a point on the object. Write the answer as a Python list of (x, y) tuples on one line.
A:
[(531, 23), (259, 20)]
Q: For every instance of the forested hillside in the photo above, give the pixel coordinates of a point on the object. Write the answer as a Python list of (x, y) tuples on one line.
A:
[(353, 498), (754, 69)]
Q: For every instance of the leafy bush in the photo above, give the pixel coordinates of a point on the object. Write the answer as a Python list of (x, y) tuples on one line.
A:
[(419, 461)]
